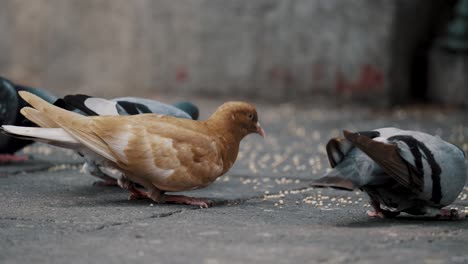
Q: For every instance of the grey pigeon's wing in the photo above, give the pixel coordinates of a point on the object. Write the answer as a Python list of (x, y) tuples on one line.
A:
[(338, 147), (388, 156), (136, 105), (87, 105)]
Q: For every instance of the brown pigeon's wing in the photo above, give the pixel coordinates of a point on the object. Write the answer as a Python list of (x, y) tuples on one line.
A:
[(81, 131), (150, 146), (338, 147), (388, 157)]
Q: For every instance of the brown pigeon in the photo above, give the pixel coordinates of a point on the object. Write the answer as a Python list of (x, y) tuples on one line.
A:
[(161, 153)]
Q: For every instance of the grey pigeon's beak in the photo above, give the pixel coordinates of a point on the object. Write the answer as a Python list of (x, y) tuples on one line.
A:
[(260, 130)]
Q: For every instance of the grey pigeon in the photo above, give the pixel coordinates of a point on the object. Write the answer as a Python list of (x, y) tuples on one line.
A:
[(401, 171), (89, 105), (10, 105)]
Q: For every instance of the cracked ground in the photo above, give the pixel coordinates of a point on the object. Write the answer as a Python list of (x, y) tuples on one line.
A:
[(265, 212)]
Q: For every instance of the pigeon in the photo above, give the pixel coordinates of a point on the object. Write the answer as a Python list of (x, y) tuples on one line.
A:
[(10, 105), (94, 106), (400, 170), (161, 153)]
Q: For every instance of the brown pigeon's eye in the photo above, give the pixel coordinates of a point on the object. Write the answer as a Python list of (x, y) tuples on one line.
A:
[(250, 116)]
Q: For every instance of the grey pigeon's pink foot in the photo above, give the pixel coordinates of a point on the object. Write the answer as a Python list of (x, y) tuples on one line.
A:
[(181, 199), (450, 214), (106, 183), (11, 158), (375, 214), (379, 212)]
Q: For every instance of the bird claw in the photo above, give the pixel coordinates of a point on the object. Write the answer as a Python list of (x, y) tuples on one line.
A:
[(375, 214), (450, 214), (137, 196), (181, 199)]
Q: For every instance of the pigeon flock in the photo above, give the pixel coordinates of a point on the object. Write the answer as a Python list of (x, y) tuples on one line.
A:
[(160, 148)]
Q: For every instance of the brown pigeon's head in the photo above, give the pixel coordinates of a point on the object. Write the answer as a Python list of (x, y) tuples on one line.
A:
[(240, 117)]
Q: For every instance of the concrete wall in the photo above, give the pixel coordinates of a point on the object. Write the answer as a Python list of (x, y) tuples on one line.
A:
[(448, 77), (264, 48)]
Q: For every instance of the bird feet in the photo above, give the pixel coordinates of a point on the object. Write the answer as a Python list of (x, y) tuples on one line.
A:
[(11, 158), (375, 214), (378, 212), (138, 195), (181, 199), (158, 196), (450, 214)]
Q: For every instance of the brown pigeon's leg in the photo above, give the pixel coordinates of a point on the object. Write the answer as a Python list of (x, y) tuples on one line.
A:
[(124, 183), (181, 199), (10, 158), (94, 170), (137, 194)]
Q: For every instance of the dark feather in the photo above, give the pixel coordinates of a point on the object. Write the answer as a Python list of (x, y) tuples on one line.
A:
[(334, 181), (336, 149), (387, 156), (77, 101)]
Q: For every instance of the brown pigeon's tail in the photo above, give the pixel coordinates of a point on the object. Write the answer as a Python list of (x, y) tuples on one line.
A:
[(54, 136), (38, 118), (334, 180), (44, 114)]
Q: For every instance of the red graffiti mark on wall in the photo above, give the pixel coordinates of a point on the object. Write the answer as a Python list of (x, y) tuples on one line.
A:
[(370, 78), (280, 74), (181, 74)]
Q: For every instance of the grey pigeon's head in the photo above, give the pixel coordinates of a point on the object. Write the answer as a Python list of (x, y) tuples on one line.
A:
[(189, 108)]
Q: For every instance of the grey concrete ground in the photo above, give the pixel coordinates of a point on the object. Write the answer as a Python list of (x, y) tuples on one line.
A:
[(51, 213)]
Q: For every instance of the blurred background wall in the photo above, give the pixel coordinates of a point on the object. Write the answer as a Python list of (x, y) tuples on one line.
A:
[(375, 51)]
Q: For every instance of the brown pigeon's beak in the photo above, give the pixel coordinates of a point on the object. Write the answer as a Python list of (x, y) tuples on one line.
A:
[(260, 130)]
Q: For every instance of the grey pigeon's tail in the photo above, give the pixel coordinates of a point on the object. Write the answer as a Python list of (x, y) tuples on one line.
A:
[(355, 170), (334, 181), (345, 176)]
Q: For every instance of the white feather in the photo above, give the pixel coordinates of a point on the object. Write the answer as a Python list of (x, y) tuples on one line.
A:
[(53, 134), (165, 143), (101, 106)]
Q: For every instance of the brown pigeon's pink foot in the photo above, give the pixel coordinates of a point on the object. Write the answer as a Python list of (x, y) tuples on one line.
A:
[(106, 183), (450, 214), (10, 158), (137, 194), (181, 199)]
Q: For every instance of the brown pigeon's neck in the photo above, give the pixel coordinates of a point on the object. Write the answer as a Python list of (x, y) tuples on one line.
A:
[(228, 140)]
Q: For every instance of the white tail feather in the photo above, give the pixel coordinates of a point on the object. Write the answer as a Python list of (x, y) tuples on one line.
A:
[(42, 134)]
